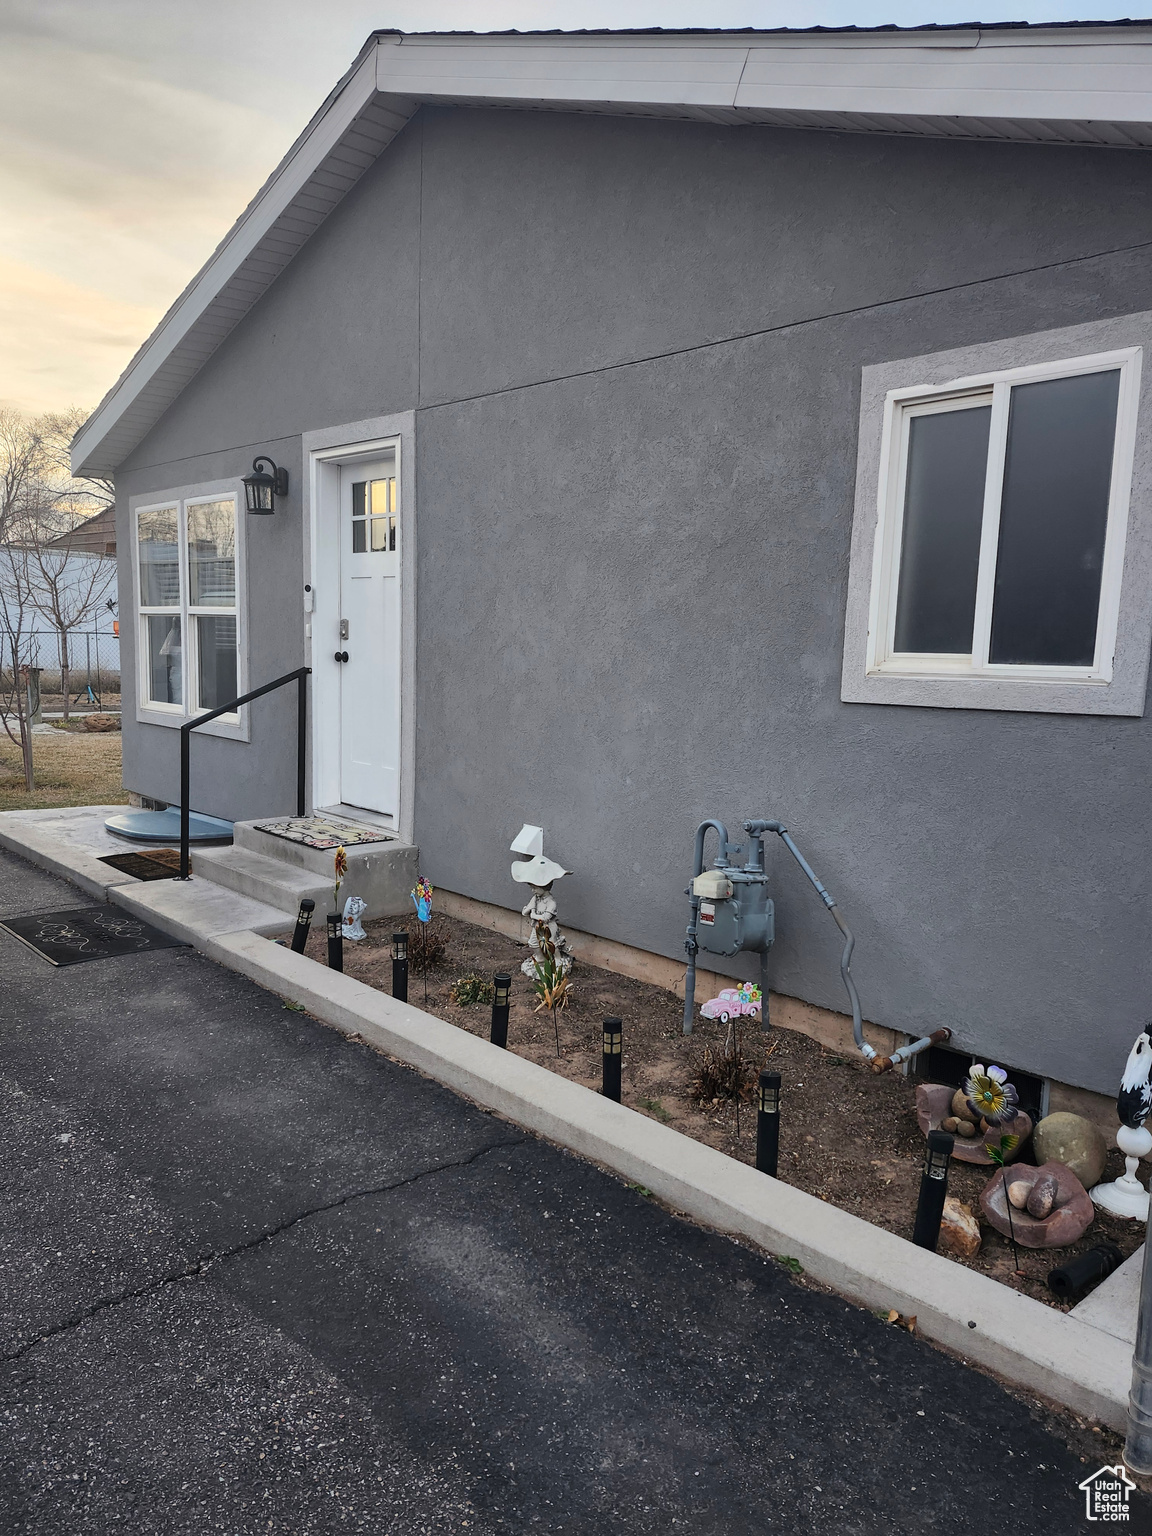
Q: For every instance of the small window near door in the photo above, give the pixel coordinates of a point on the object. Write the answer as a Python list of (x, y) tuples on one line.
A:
[(1002, 526), (374, 516)]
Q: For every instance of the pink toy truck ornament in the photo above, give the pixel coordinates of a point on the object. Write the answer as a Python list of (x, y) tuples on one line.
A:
[(733, 1003)]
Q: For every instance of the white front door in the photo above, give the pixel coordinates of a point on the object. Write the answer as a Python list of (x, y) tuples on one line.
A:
[(370, 635)]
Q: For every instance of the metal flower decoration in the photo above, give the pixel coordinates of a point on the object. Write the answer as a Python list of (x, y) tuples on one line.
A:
[(341, 866), (991, 1095)]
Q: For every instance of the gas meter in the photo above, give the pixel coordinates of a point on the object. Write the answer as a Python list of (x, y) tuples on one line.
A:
[(735, 910)]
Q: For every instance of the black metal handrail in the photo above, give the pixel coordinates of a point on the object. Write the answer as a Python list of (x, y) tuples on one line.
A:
[(298, 677)]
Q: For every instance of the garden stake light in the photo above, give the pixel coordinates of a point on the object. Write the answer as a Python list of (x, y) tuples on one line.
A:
[(335, 941), (933, 1189), (613, 1055), (768, 1123), (400, 966), (502, 986), (422, 901), (303, 923)]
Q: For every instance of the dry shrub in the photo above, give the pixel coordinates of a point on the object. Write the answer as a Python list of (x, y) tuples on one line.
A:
[(468, 990), (726, 1071), (427, 943)]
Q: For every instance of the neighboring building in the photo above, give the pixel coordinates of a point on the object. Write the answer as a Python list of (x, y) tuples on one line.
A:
[(687, 425)]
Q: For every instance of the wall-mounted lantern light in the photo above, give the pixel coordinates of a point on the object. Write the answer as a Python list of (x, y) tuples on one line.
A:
[(261, 488)]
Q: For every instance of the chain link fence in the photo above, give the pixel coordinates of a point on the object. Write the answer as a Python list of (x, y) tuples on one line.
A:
[(93, 666)]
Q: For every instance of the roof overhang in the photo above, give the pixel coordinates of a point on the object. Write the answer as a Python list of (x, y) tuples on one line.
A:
[(1065, 84)]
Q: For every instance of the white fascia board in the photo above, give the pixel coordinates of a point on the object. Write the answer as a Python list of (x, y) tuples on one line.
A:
[(1109, 83), (602, 73), (1103, 76), (288, 181)]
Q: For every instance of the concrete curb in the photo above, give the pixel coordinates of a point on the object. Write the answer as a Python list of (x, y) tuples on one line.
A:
[(1021, 1340)]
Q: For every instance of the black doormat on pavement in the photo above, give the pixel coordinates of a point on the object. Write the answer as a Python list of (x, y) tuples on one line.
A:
[(86, 933), (156, 864)]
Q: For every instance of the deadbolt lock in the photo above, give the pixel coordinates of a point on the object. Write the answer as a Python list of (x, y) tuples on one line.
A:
[(343, 629)]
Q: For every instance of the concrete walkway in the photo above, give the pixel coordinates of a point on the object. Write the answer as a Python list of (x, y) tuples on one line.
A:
[(256, 1278)]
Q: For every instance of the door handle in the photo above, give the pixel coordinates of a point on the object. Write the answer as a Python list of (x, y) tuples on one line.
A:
[(341, 656)]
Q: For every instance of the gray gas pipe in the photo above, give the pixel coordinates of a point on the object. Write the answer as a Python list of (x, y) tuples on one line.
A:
[(732, 911)]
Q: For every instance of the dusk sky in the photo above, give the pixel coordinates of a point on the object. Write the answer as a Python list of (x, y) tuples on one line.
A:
[(132, 133)]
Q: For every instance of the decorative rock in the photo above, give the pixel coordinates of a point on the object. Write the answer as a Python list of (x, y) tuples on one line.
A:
[(1075, 1142), (959, 1230), (934, 1103), (960, 1107), (951, 1124), (1069, 1218), (1018, 1192), (1042, 1197)]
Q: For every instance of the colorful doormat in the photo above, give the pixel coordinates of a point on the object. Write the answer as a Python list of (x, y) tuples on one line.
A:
[(156, 864), (319, 832), (86, 933)]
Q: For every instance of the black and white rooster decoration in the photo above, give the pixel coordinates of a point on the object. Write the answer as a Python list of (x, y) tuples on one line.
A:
[(1126, 1196), (1134, 1101)]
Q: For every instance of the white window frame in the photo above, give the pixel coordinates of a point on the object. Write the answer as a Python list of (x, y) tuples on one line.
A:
[(234, 726), (874, 672)]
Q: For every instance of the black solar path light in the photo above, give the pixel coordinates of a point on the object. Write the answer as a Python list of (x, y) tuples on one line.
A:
[(768, 1123), (501, 992), (303, 923), (335, 941), (933, 1189), (400, 965), (613, 1054)]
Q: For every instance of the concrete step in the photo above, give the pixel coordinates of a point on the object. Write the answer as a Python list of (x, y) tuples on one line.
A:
[(271, 881), (382, 873), (279, 873)]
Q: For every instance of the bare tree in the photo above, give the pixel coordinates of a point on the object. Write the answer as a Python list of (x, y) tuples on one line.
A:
[(21, 496), (42, 507), (15, 611)]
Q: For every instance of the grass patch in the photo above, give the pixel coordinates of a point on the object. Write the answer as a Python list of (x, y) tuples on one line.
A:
[(70, 770), (655, 1108)]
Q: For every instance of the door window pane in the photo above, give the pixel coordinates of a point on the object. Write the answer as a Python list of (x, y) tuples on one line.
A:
[(165, 661), (212, 554), (216, 652), (943, 511), (159, 550), (1053, 518)]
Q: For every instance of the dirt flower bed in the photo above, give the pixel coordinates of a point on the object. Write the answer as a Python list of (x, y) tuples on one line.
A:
[(847, 1136)]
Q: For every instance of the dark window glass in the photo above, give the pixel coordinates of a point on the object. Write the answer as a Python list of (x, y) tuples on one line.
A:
[(216, 637), (358, 545), (940, 549), (358, 498), (1053, 517)]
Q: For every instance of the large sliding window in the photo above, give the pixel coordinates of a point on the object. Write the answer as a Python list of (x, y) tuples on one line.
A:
[(1002, 524), (188, 610)]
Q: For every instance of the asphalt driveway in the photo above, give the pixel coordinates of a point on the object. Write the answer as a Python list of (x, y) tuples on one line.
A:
[(255, 1277)]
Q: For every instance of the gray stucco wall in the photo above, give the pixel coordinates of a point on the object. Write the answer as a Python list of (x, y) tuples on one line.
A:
[(635, 349)]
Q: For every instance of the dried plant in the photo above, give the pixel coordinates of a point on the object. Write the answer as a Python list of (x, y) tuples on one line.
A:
[(551, 984), (468, 990)]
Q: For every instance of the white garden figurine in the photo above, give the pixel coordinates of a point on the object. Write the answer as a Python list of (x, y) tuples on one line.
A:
[(1126, 1196), (354, 909), (535, 870)]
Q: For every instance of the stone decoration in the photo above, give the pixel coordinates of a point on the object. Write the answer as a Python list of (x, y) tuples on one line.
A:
[(354, 909), (959, 1230), (535, 870), (934, 1112), (1070, 1213), (1075, 1142)]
